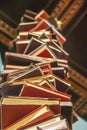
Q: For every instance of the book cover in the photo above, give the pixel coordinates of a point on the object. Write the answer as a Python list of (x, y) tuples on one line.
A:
[(39, 114), (34, 90), (13, 108)]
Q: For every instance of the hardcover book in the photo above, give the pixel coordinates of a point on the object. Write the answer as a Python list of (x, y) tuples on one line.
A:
[(34, 90), (14, 108), (31, 118)]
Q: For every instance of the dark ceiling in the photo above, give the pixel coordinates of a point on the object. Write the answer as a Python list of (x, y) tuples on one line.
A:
[(75, 31)]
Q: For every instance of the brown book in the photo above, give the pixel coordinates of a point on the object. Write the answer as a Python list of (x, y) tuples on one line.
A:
[(28, 16), (34, 90), (13, 108), (21, 59), (14, 68), (26, 35), (30, 13), (39, 114), (30, 71), (21, 45), (26, 26)]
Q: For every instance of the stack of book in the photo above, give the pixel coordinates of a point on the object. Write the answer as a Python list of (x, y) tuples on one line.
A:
[(35, 88)]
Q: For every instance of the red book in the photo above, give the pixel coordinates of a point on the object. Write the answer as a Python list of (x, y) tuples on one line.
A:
[(34, 90), (14, 108), (42, 14), (43, 24), (44, 51), (31, 118)]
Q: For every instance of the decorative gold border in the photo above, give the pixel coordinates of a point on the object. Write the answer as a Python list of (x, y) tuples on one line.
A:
[(72, 10), (77, 77), (78, 86), (62, 4), (7, 29), (5, 40)]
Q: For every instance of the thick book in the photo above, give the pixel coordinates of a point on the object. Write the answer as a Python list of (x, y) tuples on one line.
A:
[(34, 90), (39, 114), (13, 108)]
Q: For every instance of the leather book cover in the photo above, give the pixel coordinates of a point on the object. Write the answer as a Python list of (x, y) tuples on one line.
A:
[(21, 45), (44, 51), (41, 15), (13, 108), (34, 90), (26, 26), (31, 118)]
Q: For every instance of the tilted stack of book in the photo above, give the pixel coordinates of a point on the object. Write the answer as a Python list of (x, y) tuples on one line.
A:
[(34, 90)]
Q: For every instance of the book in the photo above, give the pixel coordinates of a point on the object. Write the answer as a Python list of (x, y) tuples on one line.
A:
[(58, 83), (13, 68), (37, 80), (11, 89), (30, 71), (61, 39), (42, 14), (59, 71), (34, 90), (43, 24), (39, 114), (30, 13), (44, 51), (13, 108), (21, 45), (69, 113), (26, 26), (32, 45), (55, 44), (25, 18), (28, 16), (21, 59), (56, 125), (57, 117)]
